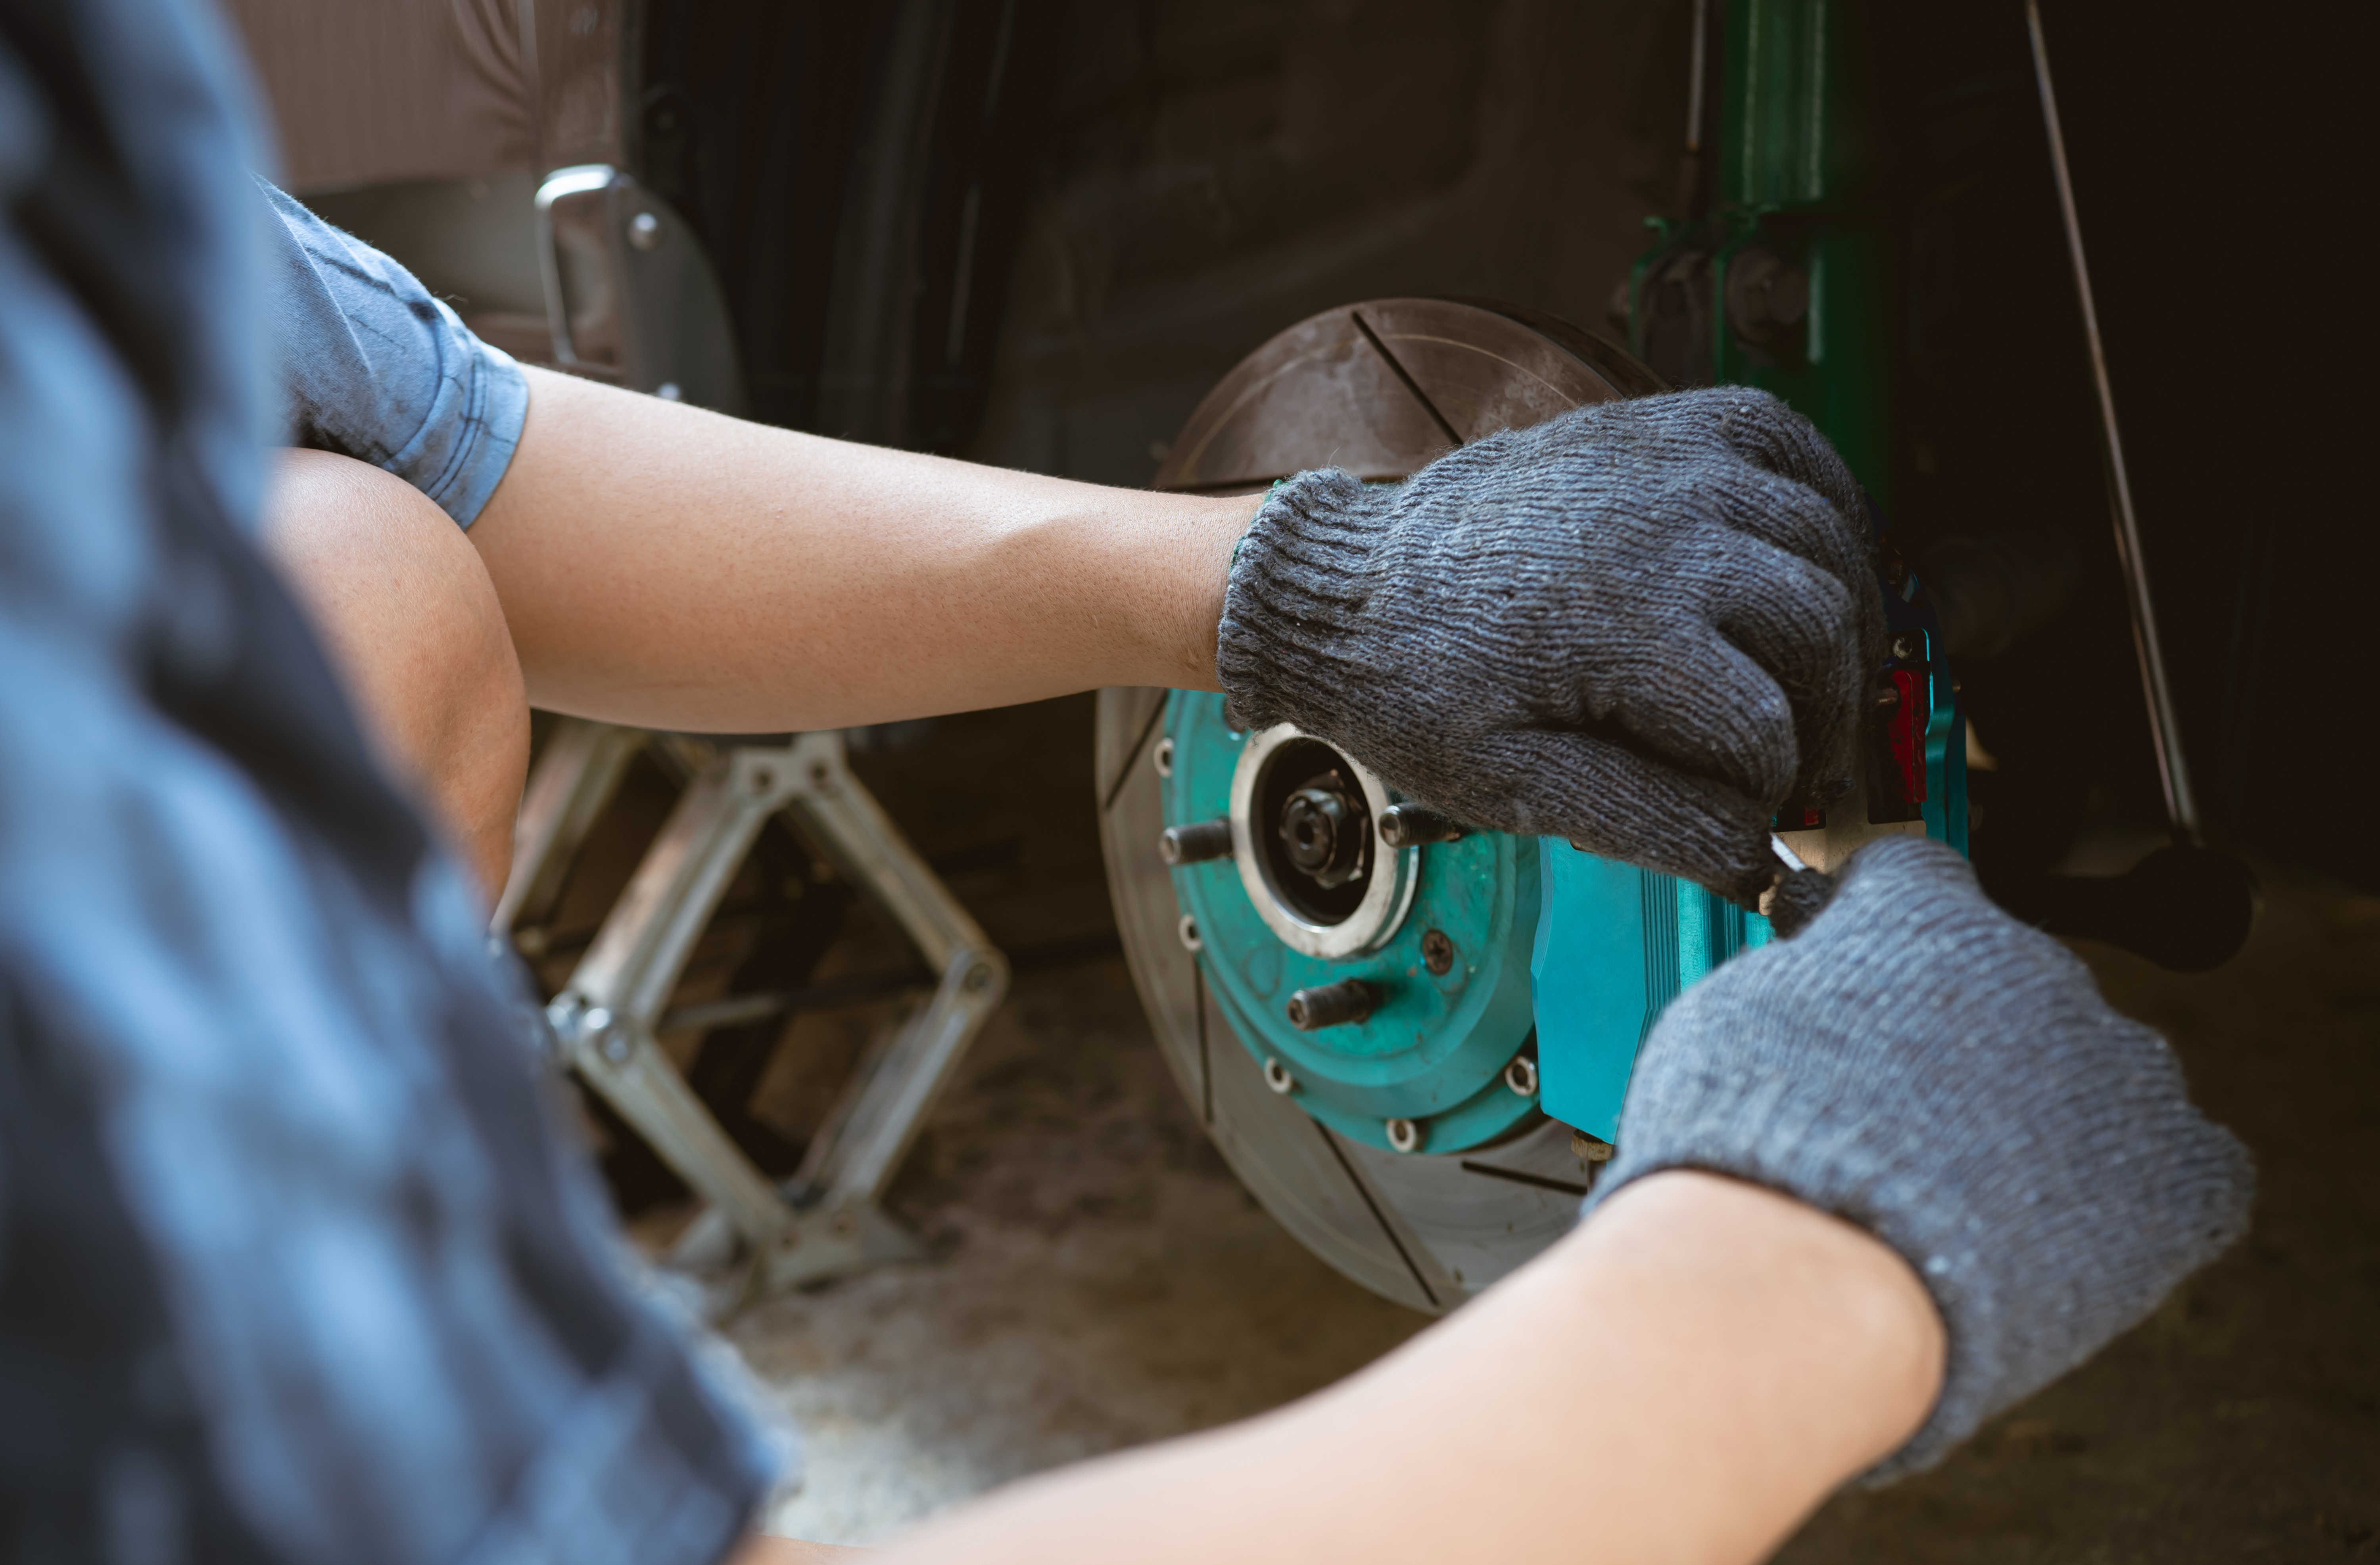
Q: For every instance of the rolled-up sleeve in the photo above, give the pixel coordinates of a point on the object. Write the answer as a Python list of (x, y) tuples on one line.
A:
[(375, 367)]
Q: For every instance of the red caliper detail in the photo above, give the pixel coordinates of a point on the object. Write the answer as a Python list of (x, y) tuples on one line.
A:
[(1906, 729)]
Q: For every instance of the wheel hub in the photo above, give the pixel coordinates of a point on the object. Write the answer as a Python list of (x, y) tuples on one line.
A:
[(1303, 841), (1397, 1134), (1389, 984), (1342, 979), (1326, 833)]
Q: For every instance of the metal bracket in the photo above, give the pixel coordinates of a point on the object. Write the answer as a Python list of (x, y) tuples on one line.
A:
[(574, 783), (629, 293), (826, 1220), (2165, 727), (560, 189)]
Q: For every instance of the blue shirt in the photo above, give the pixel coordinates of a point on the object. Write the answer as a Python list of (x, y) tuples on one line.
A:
[(296, 1261)]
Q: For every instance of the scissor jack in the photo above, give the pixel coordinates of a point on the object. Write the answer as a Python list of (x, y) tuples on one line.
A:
[(827, 1219)]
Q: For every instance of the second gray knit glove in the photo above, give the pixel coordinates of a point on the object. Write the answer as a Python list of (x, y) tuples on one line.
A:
[(1925, 1066), (1640, 626)]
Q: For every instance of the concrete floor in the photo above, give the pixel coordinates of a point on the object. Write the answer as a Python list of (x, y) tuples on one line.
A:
[(2242, 1422), (1101, 1280)]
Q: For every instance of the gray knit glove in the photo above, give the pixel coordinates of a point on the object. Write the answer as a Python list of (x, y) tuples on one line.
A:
[(1641, 626), (1925, 1066)]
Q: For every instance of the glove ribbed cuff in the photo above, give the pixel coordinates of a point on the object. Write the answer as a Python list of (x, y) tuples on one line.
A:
[(1293, 595), (2034, 1158)]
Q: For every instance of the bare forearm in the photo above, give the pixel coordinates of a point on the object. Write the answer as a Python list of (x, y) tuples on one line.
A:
[(1683, 1379), (662, 565), (759, 1548)]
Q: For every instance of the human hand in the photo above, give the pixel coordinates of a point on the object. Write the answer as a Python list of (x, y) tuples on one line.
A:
[(1641, 626), (1922, 1064)]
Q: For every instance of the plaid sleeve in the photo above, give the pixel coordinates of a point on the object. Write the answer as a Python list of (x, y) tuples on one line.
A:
[(297, 1258), (375, 367)]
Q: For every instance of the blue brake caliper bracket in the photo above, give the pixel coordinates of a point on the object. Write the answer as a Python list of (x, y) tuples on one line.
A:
[(1615, 945)]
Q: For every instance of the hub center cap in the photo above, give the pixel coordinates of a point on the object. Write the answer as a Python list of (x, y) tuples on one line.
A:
[(1325, 841), (1302, 834)]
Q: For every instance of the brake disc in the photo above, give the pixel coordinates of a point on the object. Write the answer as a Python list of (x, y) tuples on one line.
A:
[(1352, 1012)]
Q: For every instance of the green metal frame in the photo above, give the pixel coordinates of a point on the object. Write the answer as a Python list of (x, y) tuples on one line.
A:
[(1799, 172)]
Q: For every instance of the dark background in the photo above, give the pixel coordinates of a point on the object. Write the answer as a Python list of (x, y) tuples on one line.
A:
[(1054, 228)]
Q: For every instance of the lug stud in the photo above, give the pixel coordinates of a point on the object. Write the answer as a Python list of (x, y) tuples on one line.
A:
[(1195, 843), (1403, 1134), (1409, 826), (1331, 1005)]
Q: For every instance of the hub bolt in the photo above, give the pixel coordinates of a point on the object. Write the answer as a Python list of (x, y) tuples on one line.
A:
[(1437, 952), (1195, 843), (1188, 929), (1277, 1076), (1164, 758), (1318, 825), (1520, 1075), (1409, 826), (1403, 1134), (1329, 1005)]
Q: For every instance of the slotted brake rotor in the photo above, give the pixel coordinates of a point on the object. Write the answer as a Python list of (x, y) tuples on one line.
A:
[(1396, 1131)]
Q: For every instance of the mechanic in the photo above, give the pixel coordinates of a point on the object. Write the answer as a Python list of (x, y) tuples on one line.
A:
[(1641, 624), (296, 1258)]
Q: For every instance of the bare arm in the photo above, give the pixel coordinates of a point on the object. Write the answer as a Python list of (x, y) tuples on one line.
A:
[(1683, 1379), (665, 566), (762, 1548)]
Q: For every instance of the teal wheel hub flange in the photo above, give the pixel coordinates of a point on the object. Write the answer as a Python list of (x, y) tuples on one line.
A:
[(1442, 933)]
